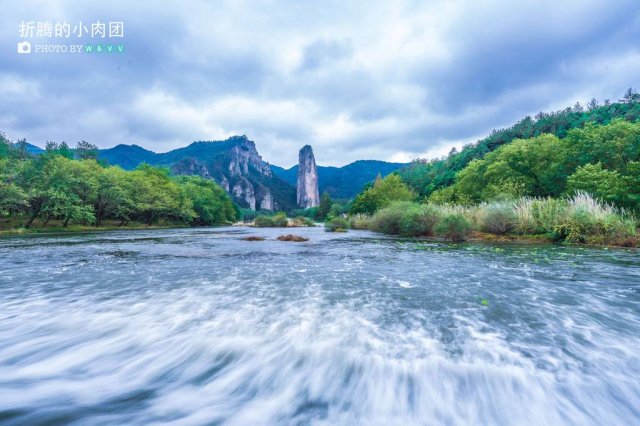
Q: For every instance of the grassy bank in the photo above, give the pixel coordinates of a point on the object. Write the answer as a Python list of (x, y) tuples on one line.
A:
[(16, 227), (579, 220)]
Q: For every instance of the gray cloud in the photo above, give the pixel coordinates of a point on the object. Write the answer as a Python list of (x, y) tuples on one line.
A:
[(382, 80)]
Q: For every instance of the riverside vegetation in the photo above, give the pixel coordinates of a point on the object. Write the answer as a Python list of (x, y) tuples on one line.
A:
[(583, 188), (64, 188), (572, 175)]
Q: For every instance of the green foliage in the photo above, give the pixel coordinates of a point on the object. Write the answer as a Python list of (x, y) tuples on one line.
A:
[(60, 149), (605, 185), (498, 218), (601, 160), (336, 224), (86, 151), (579, 219), (381, 194), (208, 201), (303, 221), (280, 220), (359, 221), (54, 186), (419, 219), (425, 177), (12, 199), (325, 206), (389, 219), (454, 227), (586, 220), (264, 222)]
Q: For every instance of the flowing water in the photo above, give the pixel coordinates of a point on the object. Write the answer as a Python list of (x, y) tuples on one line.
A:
[(196, 326)]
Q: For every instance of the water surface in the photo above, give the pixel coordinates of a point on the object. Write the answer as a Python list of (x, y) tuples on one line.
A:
[(196, 326)]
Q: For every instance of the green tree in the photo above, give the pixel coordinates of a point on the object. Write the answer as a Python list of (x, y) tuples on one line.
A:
[(381, 194), (86, 151), (325, 206), (605, 185), (61, 149)]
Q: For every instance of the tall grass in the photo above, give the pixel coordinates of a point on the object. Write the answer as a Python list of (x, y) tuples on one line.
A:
[(579, 219), (359, 221)]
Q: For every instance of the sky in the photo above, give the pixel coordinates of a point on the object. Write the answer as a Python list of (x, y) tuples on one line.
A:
[(388, 80)]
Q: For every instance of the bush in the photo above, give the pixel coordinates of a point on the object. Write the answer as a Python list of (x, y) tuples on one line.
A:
[(303, 221), (454, 227), (539, 215), (388, 220), (419, 219), (497, 218), (264, 222), (280, 220), (359, 221), (337, 224)]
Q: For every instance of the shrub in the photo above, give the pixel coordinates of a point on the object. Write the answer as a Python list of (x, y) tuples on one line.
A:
[(264, 222), (589, 221), (547, 212), (454, 227), (303, 221), (497, 218), (388, 219), (359, 221), (280, 220), (419, 219), (336, 224), (522, 209)]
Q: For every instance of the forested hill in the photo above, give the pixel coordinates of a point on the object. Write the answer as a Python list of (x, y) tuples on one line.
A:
[(425, 177), (63, 186), (343, 182), (234, 163)]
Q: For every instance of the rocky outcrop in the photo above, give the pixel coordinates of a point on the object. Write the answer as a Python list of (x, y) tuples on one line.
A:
[(267, 202), (243, 190), (244, 155), (307, 187), (190, 166), (236, 165)]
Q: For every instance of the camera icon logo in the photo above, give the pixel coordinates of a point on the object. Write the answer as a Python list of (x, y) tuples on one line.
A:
[(24, 47)]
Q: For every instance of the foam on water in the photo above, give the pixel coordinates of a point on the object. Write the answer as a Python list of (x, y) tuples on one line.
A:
[(191, 327)]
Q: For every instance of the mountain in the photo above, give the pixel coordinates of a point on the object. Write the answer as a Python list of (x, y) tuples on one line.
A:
[(234, 163), (343, 182), (31, 149), (127, 156)]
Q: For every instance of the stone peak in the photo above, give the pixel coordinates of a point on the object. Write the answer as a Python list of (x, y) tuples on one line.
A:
[(306, 149)]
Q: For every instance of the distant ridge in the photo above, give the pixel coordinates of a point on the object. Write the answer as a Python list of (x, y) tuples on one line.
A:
[(346, 181), (262, 185)]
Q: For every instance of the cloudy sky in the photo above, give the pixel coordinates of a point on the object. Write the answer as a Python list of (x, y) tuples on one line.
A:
[(388, 80)]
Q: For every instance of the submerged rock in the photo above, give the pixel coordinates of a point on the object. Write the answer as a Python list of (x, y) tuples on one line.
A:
[(291, 237), (253, 238)]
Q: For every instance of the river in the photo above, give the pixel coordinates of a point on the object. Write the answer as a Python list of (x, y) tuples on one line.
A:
[(197, 326)]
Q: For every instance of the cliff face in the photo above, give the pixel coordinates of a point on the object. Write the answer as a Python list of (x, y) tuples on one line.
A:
[(307, 187), (236, 165)]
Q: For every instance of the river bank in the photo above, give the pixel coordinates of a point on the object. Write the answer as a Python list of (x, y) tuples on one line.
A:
[(57, 227)]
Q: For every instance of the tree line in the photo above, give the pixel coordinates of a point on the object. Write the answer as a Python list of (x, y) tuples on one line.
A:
[(425, 177), (72, 186), (601, 160)]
